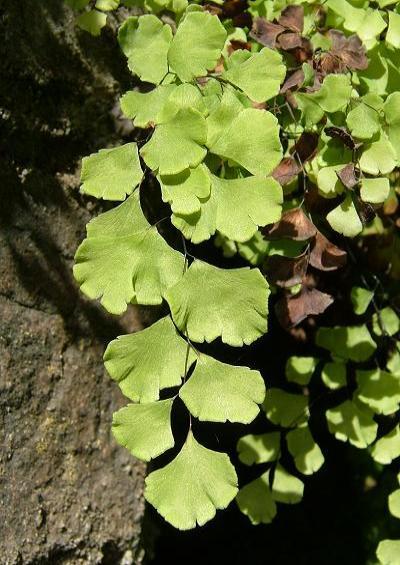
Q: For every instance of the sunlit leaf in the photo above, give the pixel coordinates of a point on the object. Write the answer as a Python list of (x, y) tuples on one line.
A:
[(263, 448), (286, 488), (92, 21), (190, 489), (352, 342), (344, 218), (378, 389), (300, 369), (285, 409), (385, 322), (388, 552), (361, 299), (352, 423), (307, 455), (333, 375), (255, 500), (145, 108)]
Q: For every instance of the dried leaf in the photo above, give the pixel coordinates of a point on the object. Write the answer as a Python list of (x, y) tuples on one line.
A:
[(286, 171), (294, 224), (349, 176), (295, 80), (286, 271), (232, 8), (243, 20), (235, 44), (292, 18), (291, 310), (350, 50), (265, 32), (289, 41), (306, 146), (325, 256), (342, 134)]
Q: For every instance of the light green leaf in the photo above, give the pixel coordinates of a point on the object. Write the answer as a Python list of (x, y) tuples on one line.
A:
[(177, 143), (193, 486), (107, 5), (300, 369), (387, 322), (333, 96), (144, 429), (236, 207), (285, 487), (145, 108), (334, 375), (394, 503), (217, 392), (378, 157), (285, 409), (111, 174), (387, 448), (374, 190), (352, 342), (307, 455), (366, 22), (353, 423), (255, 449), (123, 259), (251, 140), (222, 114), (360, 299), (388, 552), (186, 190), (259, 75), (364, 120), (392, 117), (92, 21), (255, 500), (147, 361), (196, 46), (393, 362), (393, 31), (145, 42), (378, 389), (344, 218), (210, 302), (329, 184)]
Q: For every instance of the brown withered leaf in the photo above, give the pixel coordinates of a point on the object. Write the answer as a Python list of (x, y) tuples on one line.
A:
[(348, 176), (293, 224), (243, 20), (325, 255), (292, 18), (342, 134), (365, 210), (235, 44), (265, 32), (286, 271), (287, 169), (306, 146), (295, 80), (232, 8), (349, 49), (291, 310), (289, 40), (213, 9), (304, 52)]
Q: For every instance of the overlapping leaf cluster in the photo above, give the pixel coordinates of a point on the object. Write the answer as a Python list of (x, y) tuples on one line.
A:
[(273, 131)]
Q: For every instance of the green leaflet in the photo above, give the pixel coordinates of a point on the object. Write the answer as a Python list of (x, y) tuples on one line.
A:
[(374, 190), (92, 22), (286, 488), (259, 75), (145, 362), (392, 117), (367, 23), (251, 139), (333, 374), (196, 46), (333, 96), (177, 143), (218, 392), (144, 429), (190, 489), (345, 219), (122, 241), (210, 302), (262, 448), (235, 207), (393, 32), (300, 369), (361, 298), (353, 423), (112, 174), (107, 5), (364, 120), (378, 157), (145, 42), (385, 322), (186, 190), (353, 342), (388, 552), (255, 500), (307, 455), (394, 503), (145, 108), (378, 389), (387, 448), (285, 409)]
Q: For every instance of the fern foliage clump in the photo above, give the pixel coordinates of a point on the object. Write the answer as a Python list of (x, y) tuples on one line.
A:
[(272, 129)]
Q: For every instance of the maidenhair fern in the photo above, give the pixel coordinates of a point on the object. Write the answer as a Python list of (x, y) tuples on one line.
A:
[(271, 130)]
